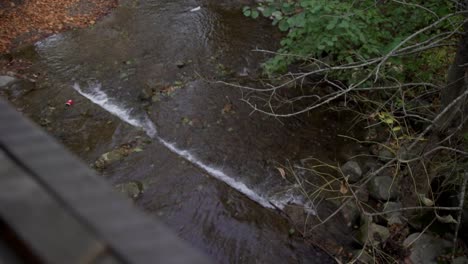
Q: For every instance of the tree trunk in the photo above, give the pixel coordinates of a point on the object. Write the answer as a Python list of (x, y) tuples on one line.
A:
[(457, 82)]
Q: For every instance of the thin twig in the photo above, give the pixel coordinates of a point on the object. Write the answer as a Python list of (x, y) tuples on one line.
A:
[(414, 208)]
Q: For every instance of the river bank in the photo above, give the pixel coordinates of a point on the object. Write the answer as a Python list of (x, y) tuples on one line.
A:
[(25, 21)]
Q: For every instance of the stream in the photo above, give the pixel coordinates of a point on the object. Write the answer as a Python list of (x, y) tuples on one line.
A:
[(209, 164)]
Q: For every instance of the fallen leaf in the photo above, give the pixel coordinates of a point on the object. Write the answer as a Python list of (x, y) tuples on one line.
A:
[(343, 188), (426, 201), (227, 108), (448, 219), (282, 172)]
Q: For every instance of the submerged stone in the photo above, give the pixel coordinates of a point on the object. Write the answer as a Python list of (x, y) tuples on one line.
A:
[(108, 158), (133, 189), (119, 153)]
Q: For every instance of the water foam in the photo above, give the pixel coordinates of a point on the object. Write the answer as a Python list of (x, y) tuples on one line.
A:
[(220, 175), (99, 97)]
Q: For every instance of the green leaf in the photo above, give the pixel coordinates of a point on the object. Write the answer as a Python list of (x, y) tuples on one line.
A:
[(344, 24), (388, 120), (267, 12), (277, 15), (283, 25), (254, 14)]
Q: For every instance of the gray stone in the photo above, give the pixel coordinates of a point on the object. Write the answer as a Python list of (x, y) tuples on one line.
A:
[(383, 188), (385, 154), (363, 195), (352, 170), (394, 217), (374, 234), (426, 248), (371, 166), (5, 80)]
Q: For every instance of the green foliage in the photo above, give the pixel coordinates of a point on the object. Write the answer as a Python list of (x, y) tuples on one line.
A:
[(347, 30)]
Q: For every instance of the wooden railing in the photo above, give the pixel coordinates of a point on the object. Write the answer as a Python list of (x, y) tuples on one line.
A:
[(53, 209)]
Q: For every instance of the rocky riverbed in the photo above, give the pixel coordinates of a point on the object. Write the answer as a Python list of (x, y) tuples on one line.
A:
[(149, 115)]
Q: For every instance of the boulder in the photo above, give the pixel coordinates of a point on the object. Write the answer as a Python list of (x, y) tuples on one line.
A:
[(383, 188), (6, 80), (352, 171), (426, 248)]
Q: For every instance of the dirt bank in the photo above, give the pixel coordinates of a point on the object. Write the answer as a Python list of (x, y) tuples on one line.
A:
[(24, 21)]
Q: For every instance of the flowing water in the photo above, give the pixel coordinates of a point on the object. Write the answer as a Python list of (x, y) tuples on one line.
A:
[(210, 167)]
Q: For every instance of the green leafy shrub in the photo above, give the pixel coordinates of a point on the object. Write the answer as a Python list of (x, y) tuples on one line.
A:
[(347, 30)]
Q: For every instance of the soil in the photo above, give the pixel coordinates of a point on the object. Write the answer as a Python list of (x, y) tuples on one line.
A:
[(23, 22)]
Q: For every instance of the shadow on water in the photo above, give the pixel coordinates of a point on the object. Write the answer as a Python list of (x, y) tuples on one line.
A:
[(162, 48)]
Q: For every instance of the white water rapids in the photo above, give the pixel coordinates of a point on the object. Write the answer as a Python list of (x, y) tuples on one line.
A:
[(99, 97)]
